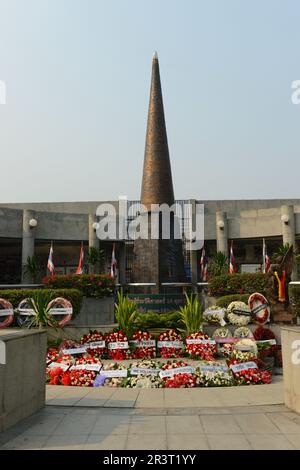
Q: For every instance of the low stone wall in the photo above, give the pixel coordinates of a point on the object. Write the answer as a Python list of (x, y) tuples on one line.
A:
[(290, 336), (95, 312), (22, 374)]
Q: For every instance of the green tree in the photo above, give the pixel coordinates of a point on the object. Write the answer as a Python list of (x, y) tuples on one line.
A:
[(32, 268), (95, 256), (218, 264)]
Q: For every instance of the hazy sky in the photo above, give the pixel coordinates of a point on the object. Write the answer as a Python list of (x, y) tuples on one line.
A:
[(77, 76)]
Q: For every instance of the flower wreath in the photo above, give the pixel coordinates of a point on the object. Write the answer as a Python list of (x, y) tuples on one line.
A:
[(238, 313), (6, 313), (260, 308)]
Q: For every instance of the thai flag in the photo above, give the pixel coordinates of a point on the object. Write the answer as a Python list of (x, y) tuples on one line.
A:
[(79, 269), (266, 259), (50, 265), (113, 264), (204, 267), (232, 265)]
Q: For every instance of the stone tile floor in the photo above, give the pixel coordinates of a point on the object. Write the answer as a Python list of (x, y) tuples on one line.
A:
[(75, 427), (252, 417), (166, 398)]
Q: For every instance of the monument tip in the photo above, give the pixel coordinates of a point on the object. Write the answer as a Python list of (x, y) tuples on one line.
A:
[(155, 55)]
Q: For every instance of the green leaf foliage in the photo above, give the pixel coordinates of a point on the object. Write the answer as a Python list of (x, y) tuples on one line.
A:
[(126, 313), (192, 314), (243, 283), (14, 296)]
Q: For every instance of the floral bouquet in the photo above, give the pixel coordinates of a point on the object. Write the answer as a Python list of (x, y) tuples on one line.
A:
[(215, 315), (61, 364), (238, 313), (241, 356), (169, 344), (246, 345), (79, 378), (112, 375), (66, 359), (243, 332), (87, 360), (143, 374), (178, 374), (52, 355), (214, 374), (54, 376), (95, 343), (144, 345), (68, 344), (200, 346), (224, 341), (251, 376), (117, 345)]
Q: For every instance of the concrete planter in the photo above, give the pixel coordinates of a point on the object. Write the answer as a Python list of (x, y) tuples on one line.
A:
[(22, 374), (95, 312), (290, 336)]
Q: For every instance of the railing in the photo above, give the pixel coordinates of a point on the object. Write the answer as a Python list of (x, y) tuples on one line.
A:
[(21, 286)]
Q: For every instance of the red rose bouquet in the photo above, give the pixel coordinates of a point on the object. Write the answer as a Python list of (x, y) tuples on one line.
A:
[(178, 374), (52, 355), (250, 376), (144, 345), (80, 378), (87, 360), (95, 343), (200, 346), (54, 376), (117, 345), (169, 344)]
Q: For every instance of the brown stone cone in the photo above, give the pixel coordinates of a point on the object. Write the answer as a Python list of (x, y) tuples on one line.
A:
[(157, 185)]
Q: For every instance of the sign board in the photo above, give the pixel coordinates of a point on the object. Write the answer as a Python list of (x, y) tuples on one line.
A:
[(157, 302)]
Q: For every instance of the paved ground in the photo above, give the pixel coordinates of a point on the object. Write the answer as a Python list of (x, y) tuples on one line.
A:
[(252, 427), (166, 398), (251, 417)]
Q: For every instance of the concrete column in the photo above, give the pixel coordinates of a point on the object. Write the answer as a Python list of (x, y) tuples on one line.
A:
[(122, 263), (288, 225), (28, 237), (93, 239), (222, 232), (193, 253)]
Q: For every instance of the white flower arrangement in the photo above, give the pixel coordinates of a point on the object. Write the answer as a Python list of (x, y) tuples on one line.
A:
[(238, 313), (214, 379), (215, 314), (246, 344)]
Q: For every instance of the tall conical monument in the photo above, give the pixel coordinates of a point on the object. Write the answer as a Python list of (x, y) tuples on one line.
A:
[(157, 185), (157, 260)]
